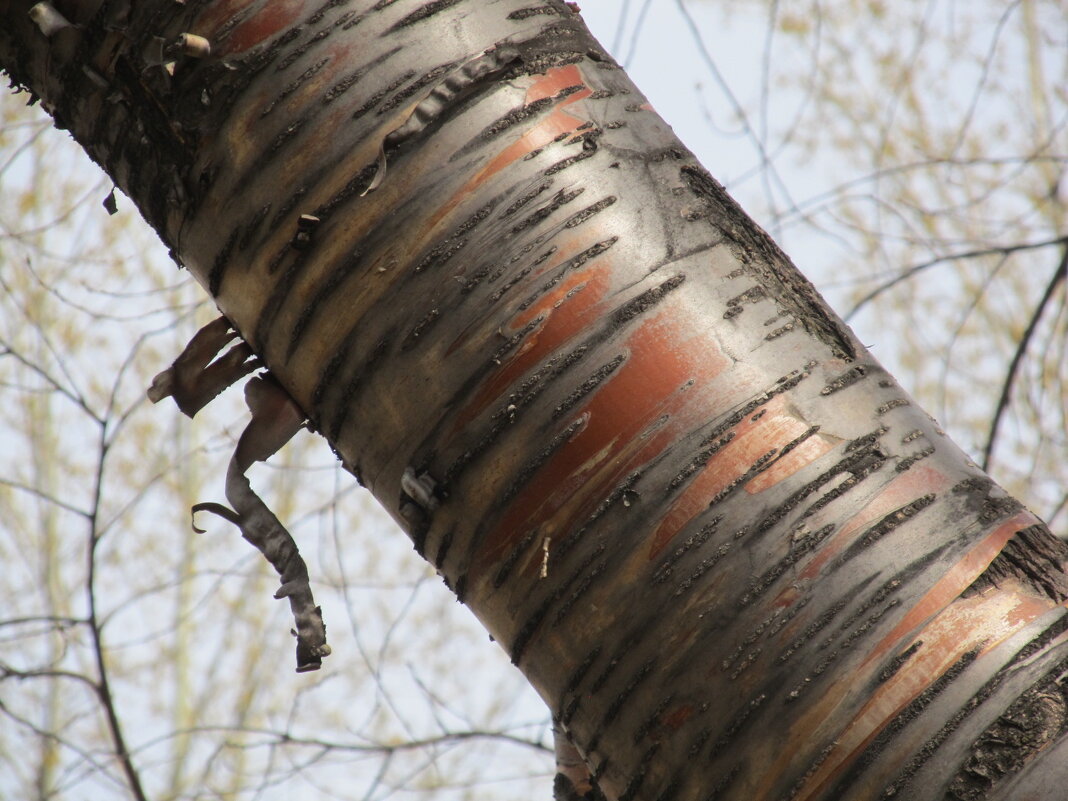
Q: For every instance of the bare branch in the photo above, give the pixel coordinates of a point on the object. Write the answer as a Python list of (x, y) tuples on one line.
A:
[(44, 496), (1017, 358), (971, 254)]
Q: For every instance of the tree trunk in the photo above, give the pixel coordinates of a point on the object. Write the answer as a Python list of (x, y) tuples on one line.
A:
[(722, 543)]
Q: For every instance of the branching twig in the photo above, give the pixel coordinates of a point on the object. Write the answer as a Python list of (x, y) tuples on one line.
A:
[(971, 254), (103, 685), (1017, 358)]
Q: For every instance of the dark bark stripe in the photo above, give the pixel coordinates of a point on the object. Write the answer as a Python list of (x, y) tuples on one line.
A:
[(666, 568), (356, 76), (425, 11), (885, 525), (783, 281), (218, 268), (493, 542), (846, 379), (323, 295), (326, 7), (842, 650), (305, 76), (534, 11), (908, 461), (810, 631), (799, 548), (421, 119), (589, 385), (560, 199), (562, 551), (1030, 725), (374, 100), (735, 725), (901, 721), (589, 211), (899, 661), (509, 562), (571, 264), (1034, 558), (637, 778), (585, 583), (1007, 744), (525, 394)]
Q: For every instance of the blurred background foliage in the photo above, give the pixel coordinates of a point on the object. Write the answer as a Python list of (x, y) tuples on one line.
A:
[(909, 156)]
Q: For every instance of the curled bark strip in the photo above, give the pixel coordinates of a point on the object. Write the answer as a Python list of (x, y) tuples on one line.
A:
[(225, 512), (194, 379), (452, 88), (275, 419)]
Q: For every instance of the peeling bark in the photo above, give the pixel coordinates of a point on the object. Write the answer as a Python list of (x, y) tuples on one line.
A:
[(275, 420), (196, 377)]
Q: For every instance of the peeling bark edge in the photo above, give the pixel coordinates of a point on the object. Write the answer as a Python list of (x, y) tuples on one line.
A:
[(1035, 558)]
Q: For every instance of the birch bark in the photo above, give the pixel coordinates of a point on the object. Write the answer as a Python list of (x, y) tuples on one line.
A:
[(723, 544)]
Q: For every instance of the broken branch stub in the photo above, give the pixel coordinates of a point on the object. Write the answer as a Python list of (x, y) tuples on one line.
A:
[(275, 419), (194, 379)]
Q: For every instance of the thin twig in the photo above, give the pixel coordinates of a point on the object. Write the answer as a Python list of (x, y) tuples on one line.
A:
[(1017, 358), (107, 700), (970, 254)]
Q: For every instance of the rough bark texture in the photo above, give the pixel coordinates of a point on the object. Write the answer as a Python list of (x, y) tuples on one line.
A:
[(722, 543)]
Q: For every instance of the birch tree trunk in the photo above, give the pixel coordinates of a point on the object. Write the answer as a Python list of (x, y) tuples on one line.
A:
[(723, 544)]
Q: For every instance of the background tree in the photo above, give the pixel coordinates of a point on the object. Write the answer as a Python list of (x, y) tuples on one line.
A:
[(254, 748)]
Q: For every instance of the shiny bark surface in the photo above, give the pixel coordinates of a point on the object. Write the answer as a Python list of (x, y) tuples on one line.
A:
[(724, 545)]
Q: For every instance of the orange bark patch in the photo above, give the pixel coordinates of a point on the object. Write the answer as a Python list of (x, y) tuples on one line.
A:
[(755, 436), (803, 455), (567, 312), (944, 627), (676, 717), (568, 298), (650, 384), (567, 246), (978, 623), (554, 81), (264, 21), (954, 582), (541, 133), (902, 490)]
